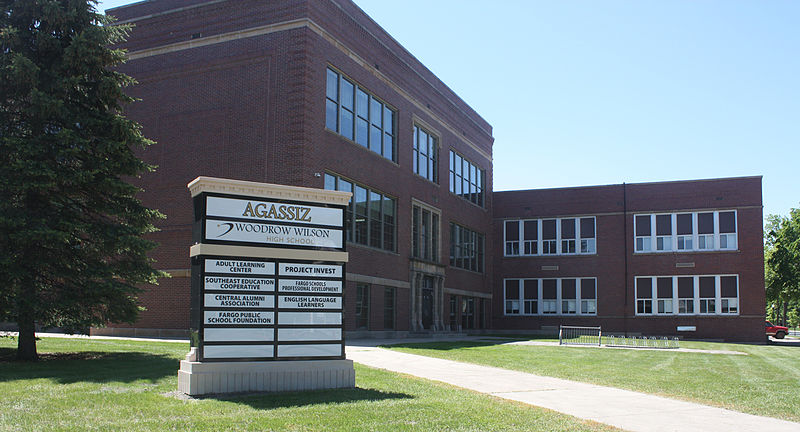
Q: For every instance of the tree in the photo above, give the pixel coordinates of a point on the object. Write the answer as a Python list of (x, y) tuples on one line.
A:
[(782, 262), (72, 251)]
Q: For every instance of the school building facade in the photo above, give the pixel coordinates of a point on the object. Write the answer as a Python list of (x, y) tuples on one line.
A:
[(314, 93)]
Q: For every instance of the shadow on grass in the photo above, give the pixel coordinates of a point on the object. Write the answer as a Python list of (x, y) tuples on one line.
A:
[(88, 366), (445, 346), (266, 401)]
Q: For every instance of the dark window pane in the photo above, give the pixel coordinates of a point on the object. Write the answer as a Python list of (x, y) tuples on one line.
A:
[(347, 94), (567, 228), (549, 229), (346, 126), (362, 128), (727, 222), (375, 222), (643, 225), (707, 287), (376, 109), (686, 287), (531, 289), (705, 223), (388, 146), (331, 115), (531, 230), (684, 224), (330, 182), (644, 288), (388, 120), (728, 286), (512, 230), (361, 215), (587, 227), (375, 136), (362, 104), (512, 289), (588, 289), (549, 289), (568, 288), (332, 90), (664, 287), (663, 225)]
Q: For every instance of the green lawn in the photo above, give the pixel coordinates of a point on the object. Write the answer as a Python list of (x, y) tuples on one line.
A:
[(124, 385), (764, 382)]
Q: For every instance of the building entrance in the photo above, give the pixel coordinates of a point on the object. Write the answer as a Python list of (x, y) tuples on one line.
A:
[(427, 303)]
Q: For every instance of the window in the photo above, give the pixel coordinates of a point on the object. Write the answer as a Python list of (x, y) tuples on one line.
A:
[(467, 312), (705, 295), (453, 312), (686, 295), (362, 306), (681, 232), (388, 307), (729, 294), (588, 296), (425, 232), (466, 179), (567, 296), (549, 241), (644, 295), (466, 248), (512, 238), (664, 295), (568, 236), (426, 154), (370, 216), (357, 115)]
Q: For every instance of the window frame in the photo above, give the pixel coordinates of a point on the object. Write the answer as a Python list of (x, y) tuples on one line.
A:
[(387, 231), (683, 242), (431, 161), (469, 186), (697, 302), (545, 307), (541, 245)]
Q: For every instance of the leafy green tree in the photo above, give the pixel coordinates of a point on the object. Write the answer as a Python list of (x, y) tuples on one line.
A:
[(72, 251), (782, 262)]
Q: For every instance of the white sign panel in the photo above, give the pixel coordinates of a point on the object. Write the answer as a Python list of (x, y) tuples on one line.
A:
[(238, 317), (238, 334), (273, 211), (264, 233), (239, 300), (309, 334), (316, 350), (237, 351), (239, 267), (310, 286), (310, 318), (239, 284), (310, 270), (309, 302)]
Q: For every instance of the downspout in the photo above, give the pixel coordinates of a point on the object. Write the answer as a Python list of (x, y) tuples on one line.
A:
[(625, 230)]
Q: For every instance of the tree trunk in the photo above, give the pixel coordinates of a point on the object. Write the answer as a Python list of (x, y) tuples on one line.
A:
[(26, 343), (785, 313)]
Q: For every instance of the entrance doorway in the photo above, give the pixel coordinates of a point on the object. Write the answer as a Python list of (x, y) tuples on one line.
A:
[(427, 302)]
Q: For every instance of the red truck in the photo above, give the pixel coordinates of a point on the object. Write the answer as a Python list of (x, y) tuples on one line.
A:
[(778, 332)]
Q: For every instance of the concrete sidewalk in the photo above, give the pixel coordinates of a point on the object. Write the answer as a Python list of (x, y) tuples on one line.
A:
[(621, 408)]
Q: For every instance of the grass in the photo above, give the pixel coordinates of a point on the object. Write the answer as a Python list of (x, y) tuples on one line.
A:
[(125, 385), (763, 382)]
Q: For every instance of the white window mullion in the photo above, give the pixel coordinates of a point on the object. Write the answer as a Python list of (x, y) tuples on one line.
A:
[(695, 233), (558, 293), (539, 303), (717, 295), (716, 231)]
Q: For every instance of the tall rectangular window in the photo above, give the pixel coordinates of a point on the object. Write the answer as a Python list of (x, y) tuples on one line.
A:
[(370, 216), (466, 179), (705, 230), (530, 296), (686, 295), (664, 295), (588, 241), (512, 296), (356, 114), (425, 232), (727, 230), (588, 296), (512, 237), (644, 295), (568, 236), (530, 237), (708, 294), (362, 306), (466, 248), (549, 296), (388, 307), (663, 232), (549, 237), (568, 297), (643, 233), (426, 154), (685, 231), (729, 294)]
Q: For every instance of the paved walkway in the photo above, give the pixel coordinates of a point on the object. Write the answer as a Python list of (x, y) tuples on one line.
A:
[(621, 408)]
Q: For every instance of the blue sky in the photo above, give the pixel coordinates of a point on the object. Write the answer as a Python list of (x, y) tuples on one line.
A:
[(601, 92)]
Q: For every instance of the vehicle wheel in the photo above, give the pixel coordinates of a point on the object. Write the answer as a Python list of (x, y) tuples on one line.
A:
[(780, 335)]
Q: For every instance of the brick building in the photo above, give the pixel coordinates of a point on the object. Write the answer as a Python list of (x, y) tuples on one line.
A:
[(314, 93)]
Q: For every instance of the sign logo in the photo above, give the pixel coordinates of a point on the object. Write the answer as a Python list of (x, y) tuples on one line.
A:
[(228, 224)]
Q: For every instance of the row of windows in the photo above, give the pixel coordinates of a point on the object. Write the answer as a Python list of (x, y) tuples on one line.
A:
[(466, 248), (684, 232), (370, 218), (466, 179), (567, 236), (688, 295), (565, 296), (359, 116)]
